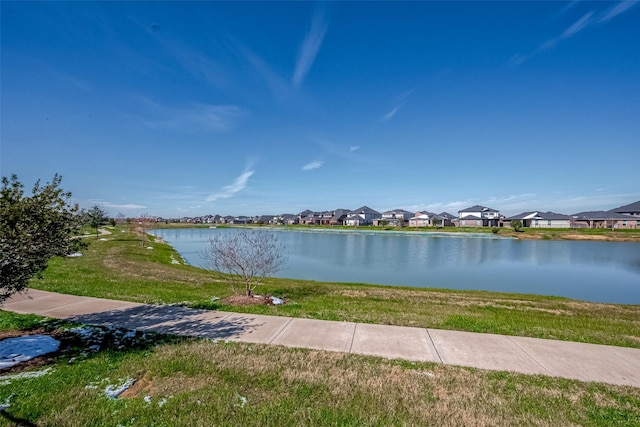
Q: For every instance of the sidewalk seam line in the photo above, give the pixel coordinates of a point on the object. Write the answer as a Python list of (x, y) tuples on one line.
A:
[(279, 331), (613, 353), (435, 348), (353, 335), (529, 355)]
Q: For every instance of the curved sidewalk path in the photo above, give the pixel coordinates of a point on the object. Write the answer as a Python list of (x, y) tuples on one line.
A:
[(585, 362)]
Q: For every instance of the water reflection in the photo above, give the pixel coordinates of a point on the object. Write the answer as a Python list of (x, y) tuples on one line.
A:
[(596, 271)]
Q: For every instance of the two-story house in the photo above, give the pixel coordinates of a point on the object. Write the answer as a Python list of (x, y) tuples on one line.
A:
[(478, 216), (394, 218), (362, 216)]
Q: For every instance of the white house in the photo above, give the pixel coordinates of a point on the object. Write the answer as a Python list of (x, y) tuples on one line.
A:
[(478, 216), (423, 219), (363, 216), (537, 219), (393, 217)]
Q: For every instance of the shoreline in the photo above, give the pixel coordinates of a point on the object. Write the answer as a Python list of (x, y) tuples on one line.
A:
[(590, 234)]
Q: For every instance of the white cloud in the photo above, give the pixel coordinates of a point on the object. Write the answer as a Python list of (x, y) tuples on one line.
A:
[(389, 115), (109, 205), (124, 206), (310, 47), (193, 117), (398, 102), (313, 165), (585, 21), (621, 7), (278, 85), (577, 26), (353, 148), (239, 184)]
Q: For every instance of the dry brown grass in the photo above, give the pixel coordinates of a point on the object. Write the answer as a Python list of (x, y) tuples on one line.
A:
[(424, 394)]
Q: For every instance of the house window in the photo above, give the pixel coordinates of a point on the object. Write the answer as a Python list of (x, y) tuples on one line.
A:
[(624, 223), (549, 223), (638, 223), (536, 222)]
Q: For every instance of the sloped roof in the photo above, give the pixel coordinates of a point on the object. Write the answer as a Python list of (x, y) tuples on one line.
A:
[(478, 208), (471, 217), (366, 210), (520, 216), (398, 211), (339, 214), (538, 215), (631, 207), (446, 215), (552, 215), (598, 215)]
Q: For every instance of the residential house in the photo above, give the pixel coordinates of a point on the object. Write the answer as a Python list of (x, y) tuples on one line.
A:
[(604, 219), (307, 217), (447, 219), (240, 220), (424, 219), (478, 216), (288, 219), (632, 209), (266, 219), (396, 217), (362, 216), (339, 215), (538, 219)]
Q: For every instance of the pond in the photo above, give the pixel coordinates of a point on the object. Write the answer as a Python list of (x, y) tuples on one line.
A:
[(586, 270)]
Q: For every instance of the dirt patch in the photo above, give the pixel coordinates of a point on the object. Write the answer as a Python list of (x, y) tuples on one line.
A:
[(142, 386), (585, 237), (248, 300)]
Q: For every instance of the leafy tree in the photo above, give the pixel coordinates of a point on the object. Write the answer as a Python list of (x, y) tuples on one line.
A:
[(97, 217), (516, 224), (246, 255), (32, 230)]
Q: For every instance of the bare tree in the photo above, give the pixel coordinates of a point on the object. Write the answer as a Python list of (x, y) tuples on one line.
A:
[(141, 225), (246, 255)]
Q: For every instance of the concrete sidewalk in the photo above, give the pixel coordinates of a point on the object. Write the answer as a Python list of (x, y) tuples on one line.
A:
[(585, 362)]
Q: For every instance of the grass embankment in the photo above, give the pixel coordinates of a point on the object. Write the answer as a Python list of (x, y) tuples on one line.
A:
[(121, 268), (202, 383)]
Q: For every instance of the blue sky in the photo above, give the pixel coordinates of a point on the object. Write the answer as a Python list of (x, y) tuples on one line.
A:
[(184, 109)]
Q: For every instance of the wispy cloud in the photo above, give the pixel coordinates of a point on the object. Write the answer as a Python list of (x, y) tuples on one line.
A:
[(389, 115), (398, 102), (310, 47), (239, 184), (353, 148), (313, 165), (193, 117), (621, 7), (585, 21), (577, 26), (278, 85), (123, 206)]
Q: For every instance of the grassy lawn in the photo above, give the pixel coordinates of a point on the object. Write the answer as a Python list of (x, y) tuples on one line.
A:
[(204, 383), (121, 268)]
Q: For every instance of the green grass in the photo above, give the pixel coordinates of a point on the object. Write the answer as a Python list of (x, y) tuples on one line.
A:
[(122, 268), (202, 383)]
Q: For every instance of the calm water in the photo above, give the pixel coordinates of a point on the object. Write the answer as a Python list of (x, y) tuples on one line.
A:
[(593, 271)]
